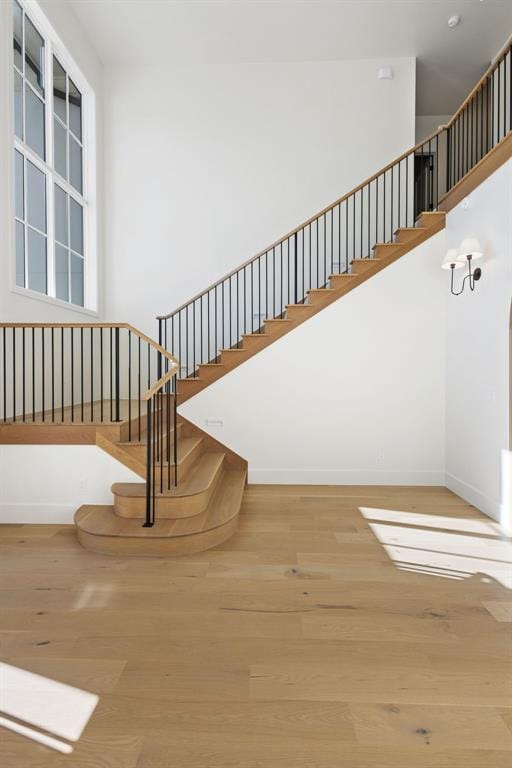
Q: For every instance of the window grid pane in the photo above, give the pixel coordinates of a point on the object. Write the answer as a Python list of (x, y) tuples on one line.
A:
[(31, 181), (34, 57), (17, 28)]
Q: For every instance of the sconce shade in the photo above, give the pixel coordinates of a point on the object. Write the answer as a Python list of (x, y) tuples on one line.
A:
[(470, 246), (452, 257)]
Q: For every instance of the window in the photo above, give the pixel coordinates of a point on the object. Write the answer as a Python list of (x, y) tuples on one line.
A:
[(50, 206)]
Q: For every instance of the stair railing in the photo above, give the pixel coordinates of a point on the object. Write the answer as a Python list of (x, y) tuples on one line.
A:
[(65, 374), (282, 274)]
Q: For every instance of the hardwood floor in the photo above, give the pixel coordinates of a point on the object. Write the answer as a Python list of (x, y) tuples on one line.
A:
[(340, 627)]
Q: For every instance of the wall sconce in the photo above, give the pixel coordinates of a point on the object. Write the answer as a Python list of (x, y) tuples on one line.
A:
[(456, 259)]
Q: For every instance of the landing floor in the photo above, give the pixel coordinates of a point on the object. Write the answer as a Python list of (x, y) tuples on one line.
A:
[(340, 627)]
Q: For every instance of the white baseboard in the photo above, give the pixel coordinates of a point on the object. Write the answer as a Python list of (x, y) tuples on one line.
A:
[(49, 514), (343, 477), (489, 507)]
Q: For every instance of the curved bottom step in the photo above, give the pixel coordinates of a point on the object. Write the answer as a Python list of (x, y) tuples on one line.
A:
[(100, 530)]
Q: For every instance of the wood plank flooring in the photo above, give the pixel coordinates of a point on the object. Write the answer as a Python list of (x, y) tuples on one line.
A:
[(340, 627)]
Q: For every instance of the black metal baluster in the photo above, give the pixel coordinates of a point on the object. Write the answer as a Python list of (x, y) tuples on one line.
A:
[(216, 343), (14, 373), (392, 203), (179, 342), (499, 103), (200, 329), (160, 437), (361, 217), (101, 374), (42, 373), (72, 345), (223, 315), (62, 372), (130, 384), (4, 373), (266, 286), (346, 234), (117, 373), (175, 422), (377, 210), (81, 374), (194, 338), (138, 388), (168, 435), (92, 373), (52, 374), (111, 367), (368, 210), (273, 282), (23, 370), (252, 296), (149, 469)]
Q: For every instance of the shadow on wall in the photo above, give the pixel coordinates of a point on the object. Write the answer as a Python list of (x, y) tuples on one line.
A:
[(448, 547)]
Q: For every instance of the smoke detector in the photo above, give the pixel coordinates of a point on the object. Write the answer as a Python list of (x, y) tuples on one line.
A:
[(453, 21), (385, 73)]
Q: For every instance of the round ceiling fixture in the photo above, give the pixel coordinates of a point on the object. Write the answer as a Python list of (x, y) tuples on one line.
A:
[(453, 21)]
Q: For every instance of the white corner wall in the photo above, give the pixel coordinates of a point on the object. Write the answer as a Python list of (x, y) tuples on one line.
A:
[(355, 395), (17, 306), (478, 350), (62, 478), (205, 165)]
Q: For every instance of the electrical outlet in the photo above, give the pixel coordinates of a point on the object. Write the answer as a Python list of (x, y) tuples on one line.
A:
[(214, 421), (83, 484)]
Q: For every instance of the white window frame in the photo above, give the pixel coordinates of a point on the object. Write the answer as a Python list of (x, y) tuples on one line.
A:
[(53, 46)]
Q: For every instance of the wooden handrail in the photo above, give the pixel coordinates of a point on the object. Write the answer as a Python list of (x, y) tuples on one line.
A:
[(434, 135)]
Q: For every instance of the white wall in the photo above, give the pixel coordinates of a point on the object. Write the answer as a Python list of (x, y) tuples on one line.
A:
[(354, 395), (16, 306), (477, 376), (62, 478), (427, 124), (206, 165)]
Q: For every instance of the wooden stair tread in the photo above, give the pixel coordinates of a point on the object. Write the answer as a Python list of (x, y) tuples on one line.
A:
[(198, 479), (101, 530), (185, 446)]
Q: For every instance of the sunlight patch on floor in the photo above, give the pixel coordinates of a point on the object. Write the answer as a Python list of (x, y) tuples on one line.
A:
[(446, 547), (39, 702), (93, 596)]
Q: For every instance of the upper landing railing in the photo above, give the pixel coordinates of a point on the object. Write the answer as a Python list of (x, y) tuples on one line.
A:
[(94, 373), (348, 229)]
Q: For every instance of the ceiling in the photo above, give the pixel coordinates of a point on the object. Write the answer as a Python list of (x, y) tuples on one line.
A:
[(450, 61)]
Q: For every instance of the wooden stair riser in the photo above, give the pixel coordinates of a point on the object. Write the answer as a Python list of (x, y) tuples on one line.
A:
[(319, 297), (299, 312), (168, 507), (276, 328), (253, 342), (386, 250), (363, 266), (408, 234), (209, 371), (163, 547), (431, 220), (342, 283)]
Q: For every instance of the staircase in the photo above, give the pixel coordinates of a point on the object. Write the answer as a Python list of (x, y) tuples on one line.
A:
[(362, 269), (198, 513), (112, 386)]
